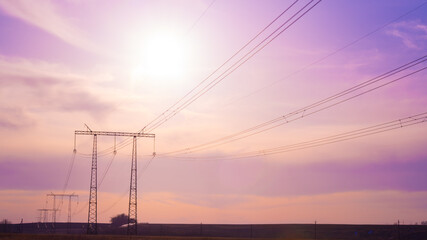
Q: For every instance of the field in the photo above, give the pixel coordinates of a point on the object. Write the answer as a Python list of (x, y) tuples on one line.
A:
[(15, 236), (217, 231)]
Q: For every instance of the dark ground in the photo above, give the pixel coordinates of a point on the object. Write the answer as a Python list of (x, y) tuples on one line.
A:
[(219, 231)]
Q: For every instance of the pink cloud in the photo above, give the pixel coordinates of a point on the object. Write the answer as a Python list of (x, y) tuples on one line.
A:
[(46, 16)]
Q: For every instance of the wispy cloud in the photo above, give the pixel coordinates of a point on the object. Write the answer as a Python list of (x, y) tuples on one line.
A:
[(413, 34), (14, 118), (48, 87), (46, 16)]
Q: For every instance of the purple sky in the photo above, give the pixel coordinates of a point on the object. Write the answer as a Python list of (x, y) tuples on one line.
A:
[(117, 65)]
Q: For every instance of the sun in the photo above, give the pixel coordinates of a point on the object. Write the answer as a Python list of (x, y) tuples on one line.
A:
[(162, 56)]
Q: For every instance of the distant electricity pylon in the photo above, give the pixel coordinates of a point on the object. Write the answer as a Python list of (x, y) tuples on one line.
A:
[(92, 227), (54, 195), (44, 214)]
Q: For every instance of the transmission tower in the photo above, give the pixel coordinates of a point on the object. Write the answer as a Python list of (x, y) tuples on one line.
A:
[(54, 195), (132, 215), (92, 227), (54, 209), (44, 214)]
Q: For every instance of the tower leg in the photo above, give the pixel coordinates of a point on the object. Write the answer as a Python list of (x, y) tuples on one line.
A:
[(54, 215), (69, 214), (92, 222), (132, 216)]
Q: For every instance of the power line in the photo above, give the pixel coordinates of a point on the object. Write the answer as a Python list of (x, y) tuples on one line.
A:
[(168, 113), (305, 111), (298, 15), (144, 168), (303, 114), (141, 172), (367, 131), (70, 169), (125, 143), (388, 126), (106, 170), (222, 65), (331, 53), (201, 16)]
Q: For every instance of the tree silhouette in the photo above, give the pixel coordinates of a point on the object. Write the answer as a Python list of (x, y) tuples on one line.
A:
[(119, 220)]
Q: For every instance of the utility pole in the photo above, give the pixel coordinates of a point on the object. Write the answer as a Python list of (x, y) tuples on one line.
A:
[(92, 213)]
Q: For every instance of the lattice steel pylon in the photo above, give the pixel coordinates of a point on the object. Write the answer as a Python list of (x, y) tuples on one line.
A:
[(54, 195), (44, 214), (92, 217), (133, 210), (92, 213)]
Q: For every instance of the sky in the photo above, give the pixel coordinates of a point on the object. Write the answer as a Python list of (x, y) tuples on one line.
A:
[(118, 65)]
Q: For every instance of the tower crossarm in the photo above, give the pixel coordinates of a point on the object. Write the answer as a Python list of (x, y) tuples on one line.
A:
[(118, 134), (62, 195)]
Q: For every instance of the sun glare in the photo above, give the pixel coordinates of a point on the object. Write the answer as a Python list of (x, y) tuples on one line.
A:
[(162, 57)]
